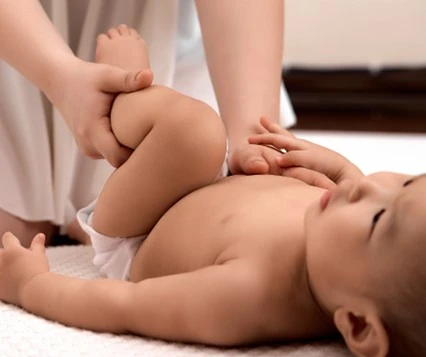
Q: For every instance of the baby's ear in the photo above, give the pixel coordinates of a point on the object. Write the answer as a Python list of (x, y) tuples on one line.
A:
[(363, 332)]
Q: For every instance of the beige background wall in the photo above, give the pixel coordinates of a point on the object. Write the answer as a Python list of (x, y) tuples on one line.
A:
[(340, 33)]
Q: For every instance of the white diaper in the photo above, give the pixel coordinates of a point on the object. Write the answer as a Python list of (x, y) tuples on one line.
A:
[(113, 256)]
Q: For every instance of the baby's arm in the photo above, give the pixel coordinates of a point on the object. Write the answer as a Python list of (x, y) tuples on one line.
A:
[(219, 305), (304, 160)]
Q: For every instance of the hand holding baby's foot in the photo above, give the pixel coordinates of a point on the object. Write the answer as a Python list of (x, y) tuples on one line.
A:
[(123, 47), (18, 265)]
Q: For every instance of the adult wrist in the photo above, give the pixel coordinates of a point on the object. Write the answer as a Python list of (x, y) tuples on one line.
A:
[(54, 76)]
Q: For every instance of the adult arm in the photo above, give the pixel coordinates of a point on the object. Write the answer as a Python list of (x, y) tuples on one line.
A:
[(83, 92), (31, 44), (243, 42)]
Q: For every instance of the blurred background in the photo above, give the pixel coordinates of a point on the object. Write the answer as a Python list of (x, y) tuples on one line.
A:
[(356, 74)]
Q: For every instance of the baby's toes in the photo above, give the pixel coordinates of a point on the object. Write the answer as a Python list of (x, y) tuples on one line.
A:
[(124, 30), (113, 33), (135, 34)]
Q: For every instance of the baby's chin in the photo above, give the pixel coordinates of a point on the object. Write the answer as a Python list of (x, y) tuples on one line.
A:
[(314, 239), (311, 215)]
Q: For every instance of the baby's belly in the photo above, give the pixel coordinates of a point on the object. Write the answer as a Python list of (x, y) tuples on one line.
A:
[(236, 217)]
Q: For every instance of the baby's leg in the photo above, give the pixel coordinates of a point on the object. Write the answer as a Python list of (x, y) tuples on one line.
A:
[(179, 147)]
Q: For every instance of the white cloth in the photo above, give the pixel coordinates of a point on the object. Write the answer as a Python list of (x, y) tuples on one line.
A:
[(43, 176), (113, 255)]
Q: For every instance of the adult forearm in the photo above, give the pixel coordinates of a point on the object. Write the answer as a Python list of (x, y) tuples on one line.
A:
[(97, 305), (244, 45), (30, 43)]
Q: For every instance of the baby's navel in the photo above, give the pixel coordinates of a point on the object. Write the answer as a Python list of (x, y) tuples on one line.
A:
[(226, 219)]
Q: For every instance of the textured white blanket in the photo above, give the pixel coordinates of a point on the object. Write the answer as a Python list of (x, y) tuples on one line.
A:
[(25, 335)]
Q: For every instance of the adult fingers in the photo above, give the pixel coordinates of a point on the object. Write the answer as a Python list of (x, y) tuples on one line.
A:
[(86, 148), (254, 164), (248, 162), (107, 145), (116, 80)]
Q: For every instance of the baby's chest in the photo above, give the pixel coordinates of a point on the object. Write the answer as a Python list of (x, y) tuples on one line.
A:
[(220, 223)]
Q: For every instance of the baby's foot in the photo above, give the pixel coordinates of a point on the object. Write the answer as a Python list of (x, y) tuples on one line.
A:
[(122, 47)]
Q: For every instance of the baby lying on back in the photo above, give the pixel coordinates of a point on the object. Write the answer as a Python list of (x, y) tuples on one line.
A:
[(195, 257)]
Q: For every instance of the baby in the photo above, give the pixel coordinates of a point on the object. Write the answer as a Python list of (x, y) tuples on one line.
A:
[(238, 260)]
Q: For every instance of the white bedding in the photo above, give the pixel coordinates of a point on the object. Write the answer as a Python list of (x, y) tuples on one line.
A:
[(23, 334)]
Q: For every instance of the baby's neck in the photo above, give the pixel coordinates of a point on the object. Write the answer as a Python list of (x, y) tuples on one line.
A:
[(315, 302)]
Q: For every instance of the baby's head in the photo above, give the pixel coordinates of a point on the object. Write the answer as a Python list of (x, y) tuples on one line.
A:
[(366, 260)]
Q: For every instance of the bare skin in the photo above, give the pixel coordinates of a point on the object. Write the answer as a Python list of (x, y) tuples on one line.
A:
[(225, 261), (179, 148), (46, 60), (244, 54)]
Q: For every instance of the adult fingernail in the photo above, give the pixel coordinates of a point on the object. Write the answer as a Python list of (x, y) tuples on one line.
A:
[(138, 75)]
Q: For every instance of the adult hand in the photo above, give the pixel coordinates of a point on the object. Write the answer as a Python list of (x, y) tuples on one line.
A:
[(84, 96), (306, 161), (256, 159), (19, 265), (251, 159)]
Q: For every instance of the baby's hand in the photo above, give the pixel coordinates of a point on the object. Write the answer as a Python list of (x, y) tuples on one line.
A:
[(19, 265), (306, 161)]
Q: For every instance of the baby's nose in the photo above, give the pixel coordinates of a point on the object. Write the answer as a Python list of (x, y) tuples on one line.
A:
[(363, 188)]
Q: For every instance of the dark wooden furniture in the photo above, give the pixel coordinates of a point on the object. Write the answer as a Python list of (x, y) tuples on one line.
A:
[(392, 100)]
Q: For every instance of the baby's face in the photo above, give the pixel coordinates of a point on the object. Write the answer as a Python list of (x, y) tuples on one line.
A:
[(362, 233)]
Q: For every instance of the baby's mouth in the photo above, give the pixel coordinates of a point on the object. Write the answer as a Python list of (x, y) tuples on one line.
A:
[(325, 199)]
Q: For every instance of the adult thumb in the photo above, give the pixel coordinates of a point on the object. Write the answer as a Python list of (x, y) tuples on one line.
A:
[(118, 80), (255, 165)]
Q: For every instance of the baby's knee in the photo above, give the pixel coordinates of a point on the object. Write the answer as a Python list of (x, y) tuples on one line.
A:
[(199, 134)]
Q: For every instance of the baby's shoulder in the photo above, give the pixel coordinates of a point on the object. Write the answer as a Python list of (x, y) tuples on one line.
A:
[(277, 289)]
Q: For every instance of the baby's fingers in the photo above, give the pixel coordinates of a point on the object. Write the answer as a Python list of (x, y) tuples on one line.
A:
[(310, 177), (9, 240), (304, 158), (297, 158), (37, 245), (274, 128)]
